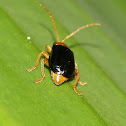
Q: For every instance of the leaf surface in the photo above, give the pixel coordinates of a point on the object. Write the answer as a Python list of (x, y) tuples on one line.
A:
[(100, 52)]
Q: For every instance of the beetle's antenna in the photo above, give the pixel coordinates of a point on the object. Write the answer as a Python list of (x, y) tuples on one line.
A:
[(52, 21), (79, 30)]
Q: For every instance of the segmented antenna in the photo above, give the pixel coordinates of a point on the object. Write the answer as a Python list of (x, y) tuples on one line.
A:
[(79, 30), (52, 21)]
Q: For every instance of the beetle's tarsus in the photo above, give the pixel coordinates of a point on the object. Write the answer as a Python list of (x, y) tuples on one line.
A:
[(29, 70), (77, 91), (82, 83), (37, 81)]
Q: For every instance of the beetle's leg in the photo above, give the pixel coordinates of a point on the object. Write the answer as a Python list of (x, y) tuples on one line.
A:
[(82, 83), (45, 54), (76, 68), (77, 80), (44, 60), (48, 48)]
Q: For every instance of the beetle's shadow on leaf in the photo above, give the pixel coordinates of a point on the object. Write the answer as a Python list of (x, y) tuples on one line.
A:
[(71, 46), (49, 30)]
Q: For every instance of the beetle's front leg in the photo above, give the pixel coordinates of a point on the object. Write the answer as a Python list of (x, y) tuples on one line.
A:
[(48, 48), (45, 54)]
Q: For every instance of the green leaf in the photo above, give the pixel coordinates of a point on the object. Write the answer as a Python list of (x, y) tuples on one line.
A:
[(100, 52)]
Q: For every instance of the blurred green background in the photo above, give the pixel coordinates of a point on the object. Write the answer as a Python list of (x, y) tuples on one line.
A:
[(100, 52)]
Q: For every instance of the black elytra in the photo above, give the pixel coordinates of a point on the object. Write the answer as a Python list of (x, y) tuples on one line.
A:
[(61, 61)]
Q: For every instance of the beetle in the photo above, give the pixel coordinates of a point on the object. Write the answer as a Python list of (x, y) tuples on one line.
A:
[(60, 59)]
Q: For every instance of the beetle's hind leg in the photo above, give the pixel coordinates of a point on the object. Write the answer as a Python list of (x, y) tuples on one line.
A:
[(77, 80), (44, 60)]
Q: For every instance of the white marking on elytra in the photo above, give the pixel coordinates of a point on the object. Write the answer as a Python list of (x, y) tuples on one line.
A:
[(58, 77), (59, 71)]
